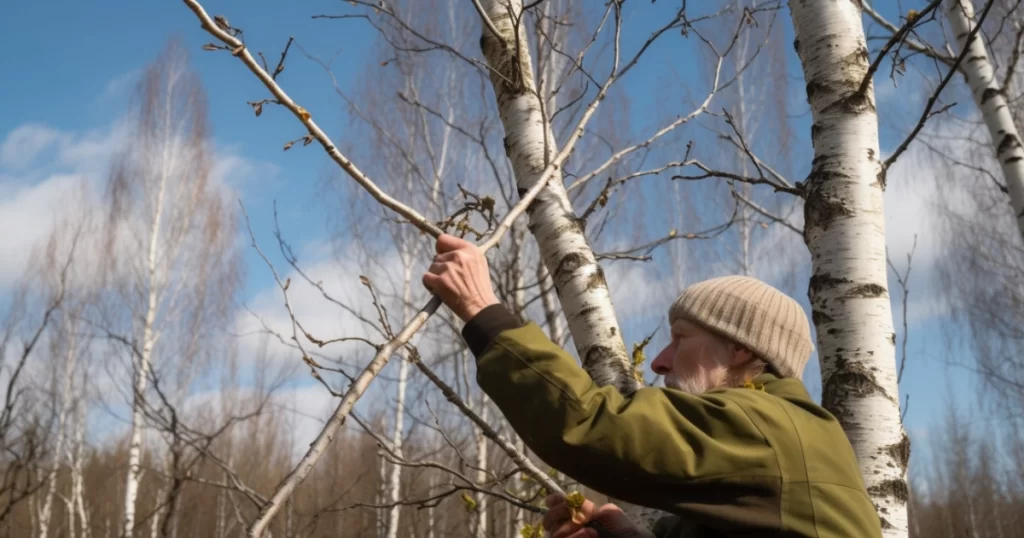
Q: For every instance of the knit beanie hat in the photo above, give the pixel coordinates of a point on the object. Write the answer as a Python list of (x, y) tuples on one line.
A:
[(753, 314)]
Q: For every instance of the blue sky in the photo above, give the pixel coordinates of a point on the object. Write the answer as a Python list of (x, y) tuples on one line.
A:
[(72, 73)]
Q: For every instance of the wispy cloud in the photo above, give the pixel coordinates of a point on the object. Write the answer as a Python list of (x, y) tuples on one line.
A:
[(22, 145)]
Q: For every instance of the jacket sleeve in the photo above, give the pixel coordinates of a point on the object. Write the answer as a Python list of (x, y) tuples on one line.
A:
[(654, 447)]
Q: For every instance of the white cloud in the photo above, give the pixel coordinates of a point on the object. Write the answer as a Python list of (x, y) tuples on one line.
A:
[(21, 146), (28, 214), (121, 84), (319, 316), (920, 185), (56, 177)]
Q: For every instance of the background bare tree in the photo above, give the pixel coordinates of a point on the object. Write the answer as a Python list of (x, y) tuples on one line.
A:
[(170, 252)]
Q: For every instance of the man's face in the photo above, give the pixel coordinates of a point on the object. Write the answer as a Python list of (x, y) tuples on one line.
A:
[(695, 361)]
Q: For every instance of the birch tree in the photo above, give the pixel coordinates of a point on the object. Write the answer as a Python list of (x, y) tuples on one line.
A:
[(32, 311), (67, 398), (170, 240), (535, 156), (980, 225), (530, 144), (845, 233), (990, 98)]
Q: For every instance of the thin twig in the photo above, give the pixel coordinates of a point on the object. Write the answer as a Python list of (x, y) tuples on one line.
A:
[(902, 280), (897, 37), (927, 113), (673, 235), (486, 20), (762, 211), (912, 43), (239, 50), (517, 457)]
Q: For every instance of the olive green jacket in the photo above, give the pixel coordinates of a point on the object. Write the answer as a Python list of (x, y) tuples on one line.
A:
[(762, 461)]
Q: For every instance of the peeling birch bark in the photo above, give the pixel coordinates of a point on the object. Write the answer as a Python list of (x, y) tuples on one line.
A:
[(560, 236), (991, 100), (845, 233)]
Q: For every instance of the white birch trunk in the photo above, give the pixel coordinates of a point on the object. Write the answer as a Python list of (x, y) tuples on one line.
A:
[(845, 233), (66, 398), (991, 99), (560, 237), (480, 516), (430, 510), (69, 507), (548, 300), (154, 520), (518, 521), (395, 478), (141, 364), (382, 472), (77, 480)]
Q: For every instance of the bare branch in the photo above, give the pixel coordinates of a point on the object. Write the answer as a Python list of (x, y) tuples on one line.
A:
[(709, 172), (521, 461), (903, 279), (912, 43), (486, 20), (646, 249), (897, 37), (766, 213), (926, 114), (239, 50)]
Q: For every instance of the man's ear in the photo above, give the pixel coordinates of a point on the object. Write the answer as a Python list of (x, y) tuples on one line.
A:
[(741, 356)]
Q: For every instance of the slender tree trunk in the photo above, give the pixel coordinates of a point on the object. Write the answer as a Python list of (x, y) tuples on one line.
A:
[(430, 509), (69, 508), (480, 516), (382, 473), (518, 521), (548, 300), (845, 233), (77, 481), (141, 364), (395, 479), (220, 516), (154, 522), (560, 236), (66, 398), (991, 99)]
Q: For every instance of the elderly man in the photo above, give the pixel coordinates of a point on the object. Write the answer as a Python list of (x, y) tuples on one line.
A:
[(733, 446)]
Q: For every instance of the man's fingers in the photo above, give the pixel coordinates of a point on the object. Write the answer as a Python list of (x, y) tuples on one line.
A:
[(447, 256), (430, 281), (448, 243), (555, 517), (553, 499), (437, 268)]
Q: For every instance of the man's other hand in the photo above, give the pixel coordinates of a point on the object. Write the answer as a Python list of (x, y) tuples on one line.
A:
[(608, 521), (460, 277)]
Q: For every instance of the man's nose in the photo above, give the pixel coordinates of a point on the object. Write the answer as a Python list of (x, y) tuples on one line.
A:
[(663, 362)]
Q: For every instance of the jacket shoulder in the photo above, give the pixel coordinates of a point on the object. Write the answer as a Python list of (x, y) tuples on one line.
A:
[(822, 487)]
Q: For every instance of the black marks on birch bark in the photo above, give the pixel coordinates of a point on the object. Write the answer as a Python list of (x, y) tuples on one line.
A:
[(1009, 142), (989, 93), (508, 70), (866, 291), (849, 378), (894, 487), (568, 265), (900, 451), (597, 280), (820, 210), (821, 282), (819, 317)]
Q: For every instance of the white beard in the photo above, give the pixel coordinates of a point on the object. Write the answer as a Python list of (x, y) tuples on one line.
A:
[(699, 383)]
